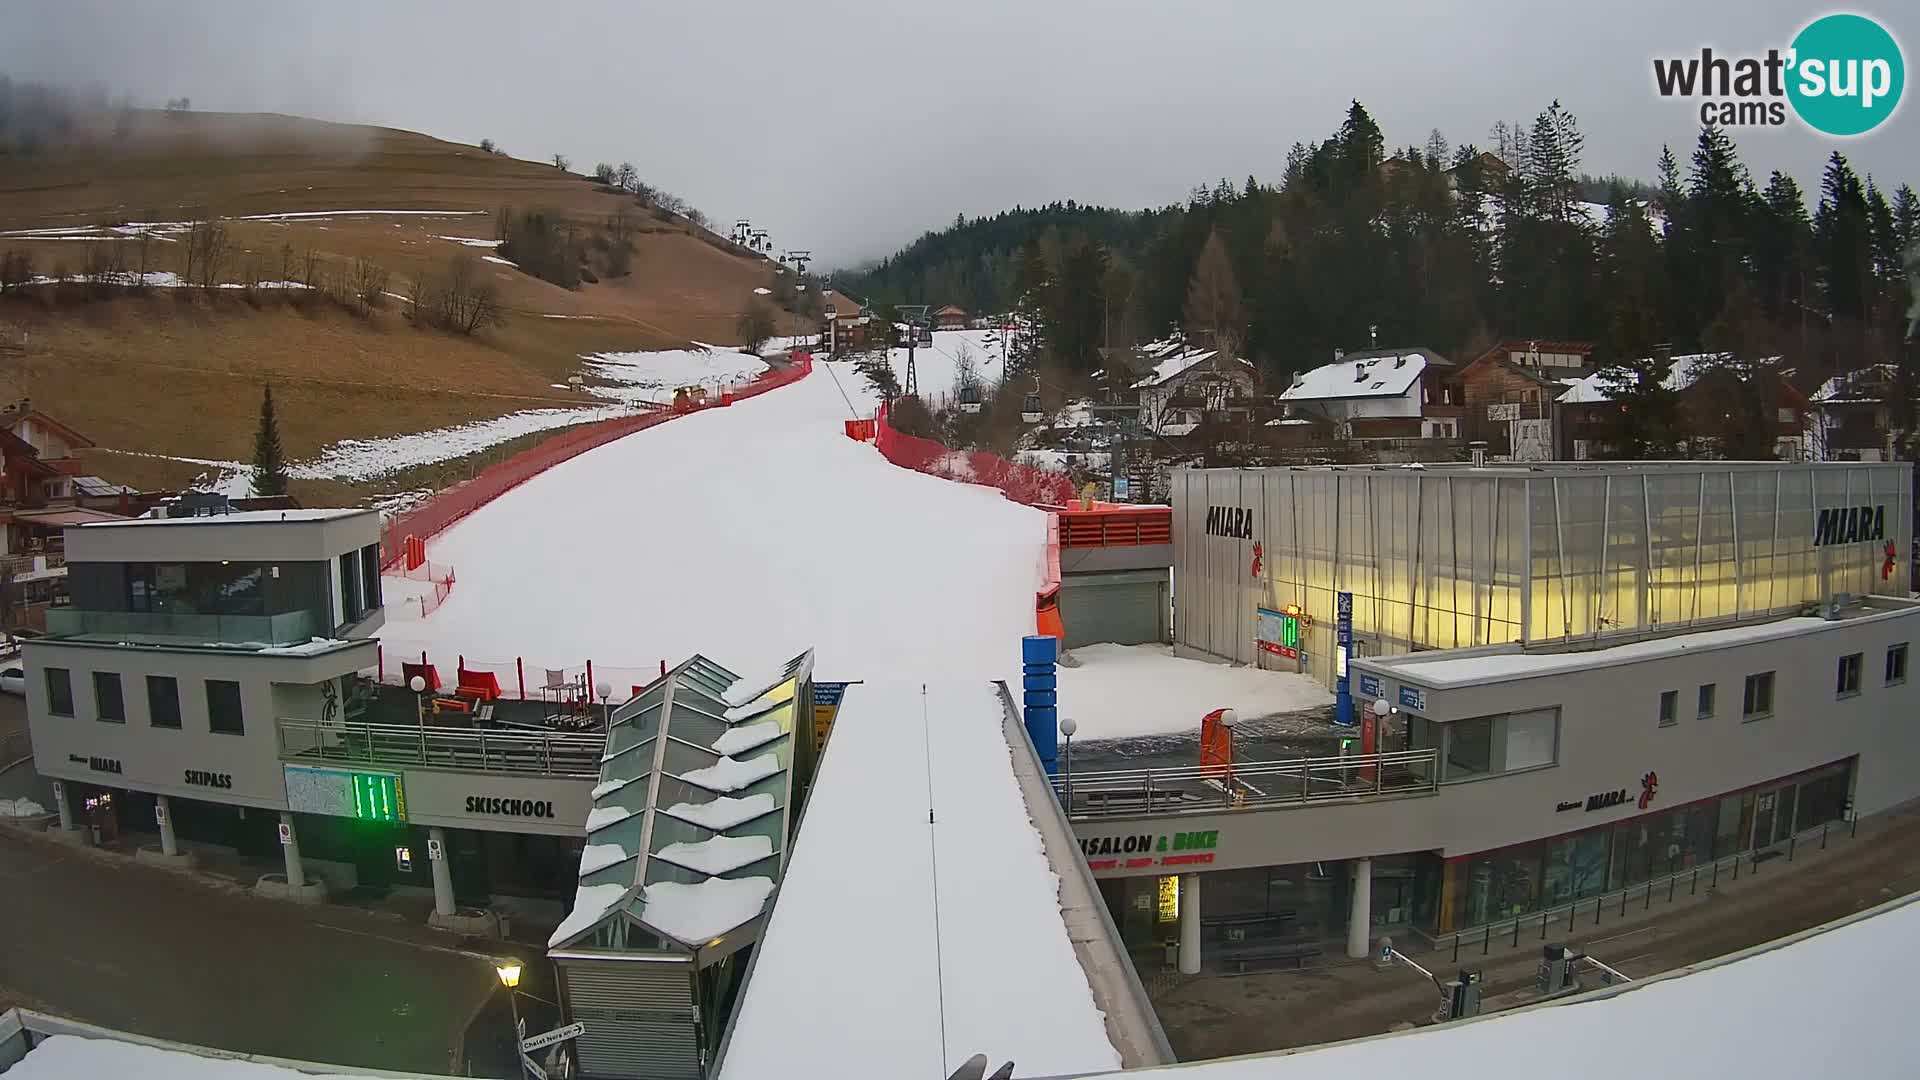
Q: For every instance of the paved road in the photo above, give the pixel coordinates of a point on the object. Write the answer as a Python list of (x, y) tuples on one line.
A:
[(104, 940)]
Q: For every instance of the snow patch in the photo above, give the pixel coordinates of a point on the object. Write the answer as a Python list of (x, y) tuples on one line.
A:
[(731, 774), (746, 737), (596, 857), (724, 812), (1126, 691), (717, 855), (590, 903), (695, 913)]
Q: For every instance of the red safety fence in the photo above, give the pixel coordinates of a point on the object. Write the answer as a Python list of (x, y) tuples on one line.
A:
[(437, 575), (1022, 483), (518, 678), (434, 516)]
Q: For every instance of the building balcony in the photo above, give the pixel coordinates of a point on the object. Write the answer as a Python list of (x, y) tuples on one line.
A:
[(172, 628)]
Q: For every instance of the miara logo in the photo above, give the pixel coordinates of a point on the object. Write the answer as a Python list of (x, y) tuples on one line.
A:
[(1843, 75), (1849, 525), (1235, 522)]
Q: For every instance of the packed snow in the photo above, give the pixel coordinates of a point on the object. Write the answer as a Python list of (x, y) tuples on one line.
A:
[(74, 1057), (732, 774), (654, 376), (695, 913), (746, 737), (1126, 691), (724, 812), (498, 259), (750, 533), (472, 241), (602, 816), (995, 972), (21, 807), (597, 857), (608, 787), (717, 855), (1730, 1019), (590, 902)]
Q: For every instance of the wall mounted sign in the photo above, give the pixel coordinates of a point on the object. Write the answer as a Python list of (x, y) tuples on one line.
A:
[(1412, 697), (1850, 525), (1233, 522), (1278, 632), (366, 796), (1135, 850), (1370, 686)]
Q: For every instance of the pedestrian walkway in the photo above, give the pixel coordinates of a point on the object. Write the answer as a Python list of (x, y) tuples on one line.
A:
[(1216, 1015)]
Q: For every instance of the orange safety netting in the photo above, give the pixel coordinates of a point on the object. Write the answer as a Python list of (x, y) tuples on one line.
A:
[(1021, 483), (434, 516)]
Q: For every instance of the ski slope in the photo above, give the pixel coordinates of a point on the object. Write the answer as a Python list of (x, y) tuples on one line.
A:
[(747, 533)]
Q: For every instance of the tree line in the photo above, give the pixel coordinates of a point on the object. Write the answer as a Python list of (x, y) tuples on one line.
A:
[(1453, 247)]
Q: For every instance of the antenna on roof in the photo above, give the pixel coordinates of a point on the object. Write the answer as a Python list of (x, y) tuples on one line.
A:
[(1373, 336)]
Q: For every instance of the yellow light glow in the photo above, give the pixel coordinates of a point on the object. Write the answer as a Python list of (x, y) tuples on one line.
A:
[(509, 972), (1169, 906)]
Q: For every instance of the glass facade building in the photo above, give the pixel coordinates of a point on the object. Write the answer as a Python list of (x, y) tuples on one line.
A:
[(1454, 556)]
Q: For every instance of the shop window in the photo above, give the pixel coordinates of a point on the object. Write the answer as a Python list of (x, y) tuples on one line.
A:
[(1847, 678), (108, 704), (1896, 664), (1669, 708), (1706, 700), (223, 708), (59, 691), (163, 701), (1758, 701)]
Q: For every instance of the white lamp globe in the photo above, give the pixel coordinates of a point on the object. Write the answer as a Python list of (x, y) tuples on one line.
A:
[(1068, 725), (1381, 708), (603, 691), (417, 684), (1229, 718)]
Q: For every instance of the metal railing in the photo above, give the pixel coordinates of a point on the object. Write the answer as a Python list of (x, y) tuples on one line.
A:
[(287, 628), (1262, 784), (1617, 903), (539, 753)]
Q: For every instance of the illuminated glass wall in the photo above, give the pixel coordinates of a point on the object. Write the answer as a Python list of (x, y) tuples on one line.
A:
[(1447, 557)]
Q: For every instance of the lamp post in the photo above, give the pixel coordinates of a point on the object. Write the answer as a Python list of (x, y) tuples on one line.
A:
[(1230, 719), (509, 971), (1067, 727), (418, 685), (604, 691)]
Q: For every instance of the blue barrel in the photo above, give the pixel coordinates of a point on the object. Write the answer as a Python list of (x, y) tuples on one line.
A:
[(1039, 683)]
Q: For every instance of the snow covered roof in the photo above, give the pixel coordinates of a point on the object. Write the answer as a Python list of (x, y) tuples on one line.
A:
[(1172, 362), (854, 975), (1866, 384), (238, 517), (1363, 377), (685, 841), (1599, 386)]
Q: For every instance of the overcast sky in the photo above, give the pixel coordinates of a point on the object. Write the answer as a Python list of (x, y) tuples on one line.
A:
[(850, 127)]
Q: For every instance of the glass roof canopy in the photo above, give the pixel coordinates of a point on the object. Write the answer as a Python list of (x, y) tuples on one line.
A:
[(687, 836)]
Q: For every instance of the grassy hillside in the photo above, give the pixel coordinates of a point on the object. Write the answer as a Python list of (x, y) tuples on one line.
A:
[(178, 372)]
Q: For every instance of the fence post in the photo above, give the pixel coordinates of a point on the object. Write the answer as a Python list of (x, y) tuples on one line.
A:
[(1671, 880), (1516, 931), (1648, 905), (1543, 926), (1456, 946), (589, 681), (1571, 908), (520, 671), (1623, 903), (1823, 836), (1695, 890), (1791, 841), (380, 665)]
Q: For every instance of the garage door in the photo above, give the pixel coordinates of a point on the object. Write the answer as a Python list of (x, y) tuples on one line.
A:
[(1127, 611)]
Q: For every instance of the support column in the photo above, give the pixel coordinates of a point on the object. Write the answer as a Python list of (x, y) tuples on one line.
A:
[(66, 808), (163, 812), (1360, 908), (296, 870), (442, 873), (1189, 924)]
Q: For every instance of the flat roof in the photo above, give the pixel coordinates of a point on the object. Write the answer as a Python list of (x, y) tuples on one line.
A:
[(1446, 669), (1580, 468), (241, 517), (919, 922)]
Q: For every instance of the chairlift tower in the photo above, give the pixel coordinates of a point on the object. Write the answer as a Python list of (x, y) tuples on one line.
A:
[(914, 315)]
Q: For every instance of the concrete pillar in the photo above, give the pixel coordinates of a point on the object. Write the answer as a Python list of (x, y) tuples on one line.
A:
[(66, 808), (1189, 924), (442, 873), (1360, 909), (296, 870), (163, 811)]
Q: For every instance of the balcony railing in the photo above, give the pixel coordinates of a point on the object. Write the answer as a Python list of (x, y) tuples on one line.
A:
[(1263, 784), (536, 753), (290, 628)]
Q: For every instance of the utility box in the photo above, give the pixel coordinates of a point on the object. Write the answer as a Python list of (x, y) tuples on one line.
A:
[(1463, 995), (1559, 970)]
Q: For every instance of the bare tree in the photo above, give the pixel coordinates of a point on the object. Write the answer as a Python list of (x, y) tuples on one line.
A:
[(1213, 298), (460, 298), (754, 326), (626, 176), (287, 264), (604, 173), (367, 284), (309, 268), (489, 146), (560, 162), (206, 253)]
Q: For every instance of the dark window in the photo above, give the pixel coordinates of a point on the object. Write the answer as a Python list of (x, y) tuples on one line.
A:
[(223, 708), (1669, 708), (1896, 664), (163, 701), (351, 596), (1470, 747), (59, 692), (370, 574), (108, 705), (1706, 700), (1758, 701), (1847, 679)]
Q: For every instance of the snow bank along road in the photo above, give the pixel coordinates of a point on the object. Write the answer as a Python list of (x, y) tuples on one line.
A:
[(748, 533)]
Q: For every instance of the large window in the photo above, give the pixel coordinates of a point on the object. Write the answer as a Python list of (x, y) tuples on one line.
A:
[(1470, 747), (223, 708), (1847, 678), (163, 701), (210, 588), (352, 597), (370, 574), (1531, 739), (59, 691), (1896, 664), (1507, 742), (108, 704), (1758, 701)]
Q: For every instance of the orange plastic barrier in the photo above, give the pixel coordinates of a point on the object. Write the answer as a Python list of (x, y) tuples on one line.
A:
[(1021, 483), (1113, 526), (1216, 745)]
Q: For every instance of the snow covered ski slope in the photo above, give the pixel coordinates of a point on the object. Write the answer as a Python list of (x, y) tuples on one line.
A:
[(752, 533)]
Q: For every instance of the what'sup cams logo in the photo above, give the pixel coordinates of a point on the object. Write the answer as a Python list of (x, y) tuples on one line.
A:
[(1842, 75)]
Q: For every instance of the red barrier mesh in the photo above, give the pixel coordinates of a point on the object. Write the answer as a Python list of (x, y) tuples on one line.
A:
[(1021, 483), (436, 514)]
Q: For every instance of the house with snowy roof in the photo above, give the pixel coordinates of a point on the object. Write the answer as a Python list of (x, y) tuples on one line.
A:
[(1509, 393), (1853, 415), (1179, 385), (1708, 387), (1405, 393)]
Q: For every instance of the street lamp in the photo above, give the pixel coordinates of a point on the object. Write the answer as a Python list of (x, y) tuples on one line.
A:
[(1068, 725), (418, 685), (509, 971), (604, 691)]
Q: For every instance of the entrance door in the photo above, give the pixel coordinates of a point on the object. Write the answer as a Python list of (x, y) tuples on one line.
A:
[(467, 863), (1763, 812)]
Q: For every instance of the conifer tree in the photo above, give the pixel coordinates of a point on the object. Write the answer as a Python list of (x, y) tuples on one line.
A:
[(269, 461)]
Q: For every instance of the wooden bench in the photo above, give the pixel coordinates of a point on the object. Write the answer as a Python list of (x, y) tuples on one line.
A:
[(1277, 922), (1300, 954)]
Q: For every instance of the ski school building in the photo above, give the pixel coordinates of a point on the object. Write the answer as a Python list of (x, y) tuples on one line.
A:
[(1570, 680)]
